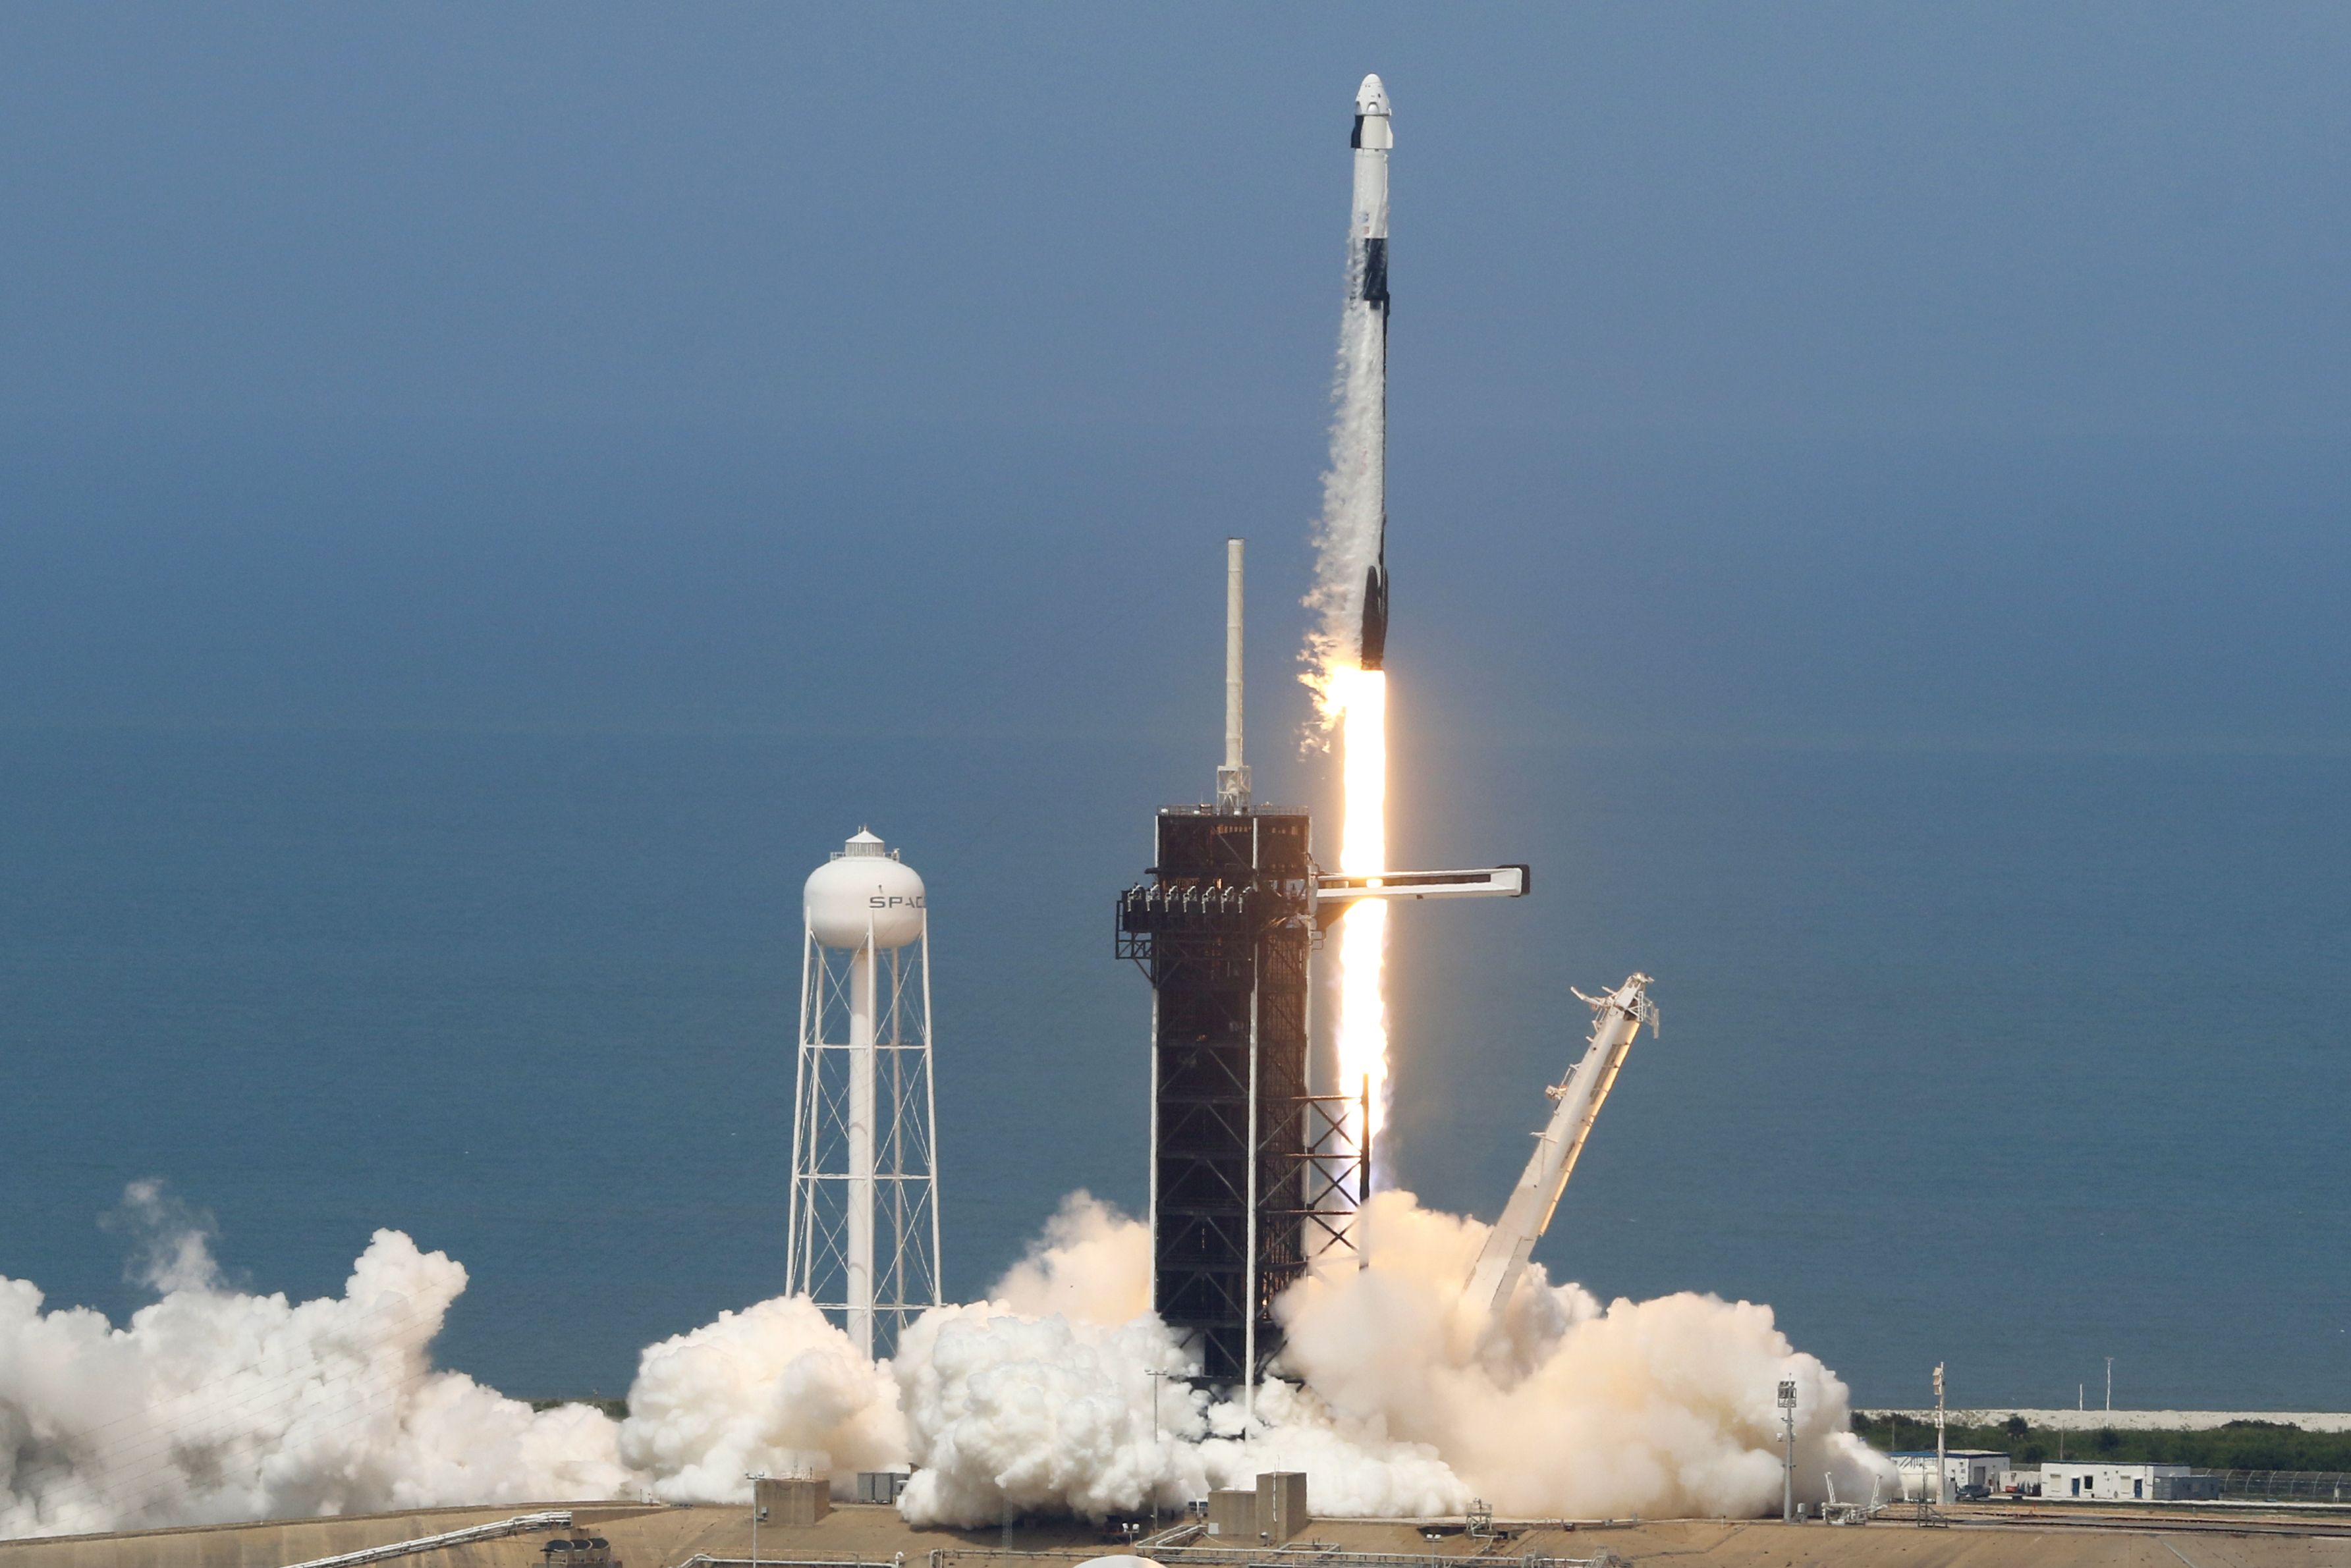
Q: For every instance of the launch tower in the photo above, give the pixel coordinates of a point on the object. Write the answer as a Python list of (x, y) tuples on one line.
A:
[(1253, 1174), (1244, 1164)]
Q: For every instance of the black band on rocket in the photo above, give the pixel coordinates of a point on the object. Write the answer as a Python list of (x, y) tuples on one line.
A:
[(1375, 272)]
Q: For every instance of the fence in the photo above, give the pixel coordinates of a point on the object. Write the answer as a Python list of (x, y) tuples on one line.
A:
[(2285, 1486)]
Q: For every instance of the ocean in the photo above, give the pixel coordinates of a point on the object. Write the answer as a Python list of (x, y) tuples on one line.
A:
[(2003, 1057)]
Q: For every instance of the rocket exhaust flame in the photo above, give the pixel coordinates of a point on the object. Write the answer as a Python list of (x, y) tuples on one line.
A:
[(1362, 1030)]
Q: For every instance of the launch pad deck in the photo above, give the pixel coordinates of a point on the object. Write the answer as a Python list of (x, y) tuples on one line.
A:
[(652, 1536)]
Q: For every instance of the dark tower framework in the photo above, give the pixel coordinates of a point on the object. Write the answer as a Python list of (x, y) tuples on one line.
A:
[(1251, 1173)]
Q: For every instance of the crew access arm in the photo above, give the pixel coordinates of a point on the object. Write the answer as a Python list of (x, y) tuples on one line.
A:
[(1619, 1017)]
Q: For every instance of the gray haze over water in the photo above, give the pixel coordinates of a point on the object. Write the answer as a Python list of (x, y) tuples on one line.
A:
[(486, 500)]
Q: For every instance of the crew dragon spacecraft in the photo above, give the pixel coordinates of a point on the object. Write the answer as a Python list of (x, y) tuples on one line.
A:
[(1367, 273)]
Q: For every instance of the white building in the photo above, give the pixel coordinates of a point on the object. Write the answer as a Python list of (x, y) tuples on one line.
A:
[(2111, 1483), (1914, 1472)]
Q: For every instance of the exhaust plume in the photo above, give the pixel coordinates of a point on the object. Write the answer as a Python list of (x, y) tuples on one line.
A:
[(1401, 1399), (1404, 1400), (774, 1387), (212, 1404), (1347, 543), (1560, 1406)]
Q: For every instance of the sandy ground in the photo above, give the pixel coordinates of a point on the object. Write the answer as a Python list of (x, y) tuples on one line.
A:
[(667, 1537)]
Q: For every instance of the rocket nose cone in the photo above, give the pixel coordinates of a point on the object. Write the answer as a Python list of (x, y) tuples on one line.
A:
[(1371, 97)]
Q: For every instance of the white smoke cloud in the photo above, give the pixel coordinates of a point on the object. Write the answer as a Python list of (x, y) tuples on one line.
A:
[(213, 1405), (1044, 1399), (1033, 1415), (1041, 1398), (774, 1387), (1408, 1402), (1659, 1408), (1354, 1467), (1092, 1265), (778, 1387), (171, 1241), (1347, 536)]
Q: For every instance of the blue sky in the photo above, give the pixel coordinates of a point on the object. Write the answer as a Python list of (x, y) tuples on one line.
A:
[(1969, 372), (1939, 221)]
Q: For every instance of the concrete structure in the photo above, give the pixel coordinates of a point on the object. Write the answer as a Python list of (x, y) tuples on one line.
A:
[(1233, 1515), (1914, 1472), (2096, 1480), (1280, 1505), (791, 1502), (1273, 1513)]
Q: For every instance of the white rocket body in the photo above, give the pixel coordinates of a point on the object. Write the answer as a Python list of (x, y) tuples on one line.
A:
[(1367, 273), (1374, 136), (1527, 1215)]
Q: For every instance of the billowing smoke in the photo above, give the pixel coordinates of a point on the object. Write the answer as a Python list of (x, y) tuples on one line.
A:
[(1009, 1413), (216, 1405), (774, 1387), (1347, 534), (1061, 1393), (1092, 1265), (1659, 1408), (1406, 1402)]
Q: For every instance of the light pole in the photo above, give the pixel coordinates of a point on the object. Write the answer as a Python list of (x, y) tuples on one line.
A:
[(2110, 1383), (1154, 1374), (1942, 1475), (755, 1478), (1788, 1468)]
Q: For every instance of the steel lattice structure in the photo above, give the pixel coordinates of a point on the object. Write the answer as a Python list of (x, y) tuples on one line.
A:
[(863, 1242), (1249, 1169)]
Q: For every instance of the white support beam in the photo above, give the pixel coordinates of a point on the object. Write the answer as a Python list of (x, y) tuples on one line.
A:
[(1335, 892)]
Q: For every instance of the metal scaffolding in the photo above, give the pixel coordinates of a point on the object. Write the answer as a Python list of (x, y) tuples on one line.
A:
[(1248, 1166)]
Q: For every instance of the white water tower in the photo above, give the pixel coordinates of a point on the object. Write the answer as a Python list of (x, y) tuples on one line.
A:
[(864, 1228)]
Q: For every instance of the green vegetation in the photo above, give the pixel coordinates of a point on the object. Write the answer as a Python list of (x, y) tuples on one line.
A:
[(2238, 1446)]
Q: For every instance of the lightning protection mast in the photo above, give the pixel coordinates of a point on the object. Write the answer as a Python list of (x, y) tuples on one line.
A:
[(863, 1243)]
